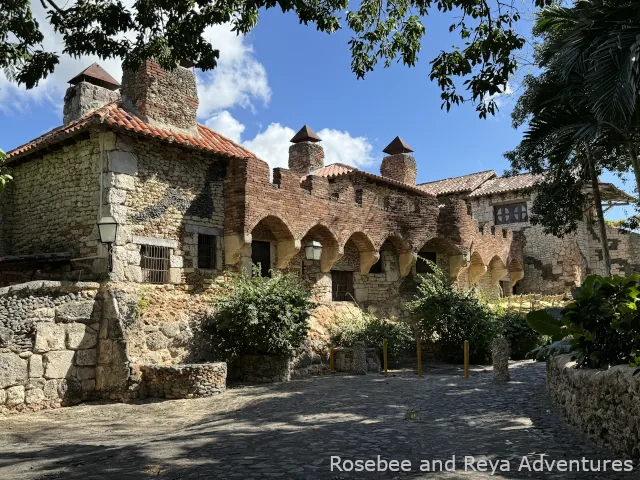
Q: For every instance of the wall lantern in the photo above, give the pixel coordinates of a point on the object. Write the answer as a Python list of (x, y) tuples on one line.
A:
[(313, 250), (108, 229)]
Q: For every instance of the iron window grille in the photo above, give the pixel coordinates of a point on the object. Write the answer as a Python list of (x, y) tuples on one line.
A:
[(154, 263), (341, 286), (206, 251)]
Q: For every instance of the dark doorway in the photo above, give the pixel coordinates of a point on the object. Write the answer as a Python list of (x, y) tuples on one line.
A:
[(261, 254), (421, 265), (341, 286)]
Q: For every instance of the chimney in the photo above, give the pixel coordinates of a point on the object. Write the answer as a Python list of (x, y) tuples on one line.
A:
[(90, 89), (399, 164), (166, 99), (305, 155)]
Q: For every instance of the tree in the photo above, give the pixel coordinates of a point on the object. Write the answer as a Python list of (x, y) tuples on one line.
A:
[(170, 31), (5, 176)]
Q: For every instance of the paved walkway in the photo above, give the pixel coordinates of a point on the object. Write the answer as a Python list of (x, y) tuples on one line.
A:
[(291, 430)]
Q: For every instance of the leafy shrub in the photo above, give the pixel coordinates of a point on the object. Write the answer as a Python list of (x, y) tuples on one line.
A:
[(604, 320), (450, 316), (522, 338), (260, 315), (360, 326)]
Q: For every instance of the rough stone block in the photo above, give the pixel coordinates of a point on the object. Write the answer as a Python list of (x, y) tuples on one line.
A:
[(36, 369), (51, 390), (171, 330), (3, 396), (49, 336), (123, 162), (80, 336), (105, 349), (133, 273), (85, 373), (34, 395), (15, 395), (176, 262), (86, 357), (175, 275), (58, 364), (116, 196), (6, 335), (88, 385), (81, 311), (157, 341), (13, 370), (500, 356)]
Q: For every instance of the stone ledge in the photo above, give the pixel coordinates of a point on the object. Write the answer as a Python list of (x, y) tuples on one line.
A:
[(39, 285), (603, 403)]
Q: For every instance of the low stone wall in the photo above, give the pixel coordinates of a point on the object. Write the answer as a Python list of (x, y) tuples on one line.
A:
[(48, 344), (183, 381), (344, 360), (603, 403), (260, 369)]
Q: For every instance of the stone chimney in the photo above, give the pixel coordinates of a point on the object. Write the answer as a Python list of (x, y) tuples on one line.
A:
[(166, 99), (305, 155), (399, 164), (90, 89)]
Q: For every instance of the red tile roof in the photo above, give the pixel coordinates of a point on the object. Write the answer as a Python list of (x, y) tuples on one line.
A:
[(333, 170), (463, 184), (96, 72), (117, 118), (506, 184)]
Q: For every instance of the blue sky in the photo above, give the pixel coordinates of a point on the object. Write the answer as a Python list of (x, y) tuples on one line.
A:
[(284, 75)]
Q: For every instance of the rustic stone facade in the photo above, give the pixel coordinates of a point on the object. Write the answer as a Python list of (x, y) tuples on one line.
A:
[(604, 404), (183, 381), (401, 167), (84, 97), (305, 157)]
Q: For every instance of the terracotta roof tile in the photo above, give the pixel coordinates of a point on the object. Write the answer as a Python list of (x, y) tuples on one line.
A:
[(465, 183), (506, 184), (116, 117), (333, 170)]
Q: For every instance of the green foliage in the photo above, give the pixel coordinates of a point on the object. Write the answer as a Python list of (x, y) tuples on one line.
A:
[(382, 31), (142, 303), (547, 323), (521, 337), (260, 315), (361, 326), (450, 316), (5, 176), (603, 320)]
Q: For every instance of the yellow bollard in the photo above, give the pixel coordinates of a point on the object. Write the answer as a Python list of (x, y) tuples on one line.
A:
[(466, 359), (384, 356), (419, 345), (332, 360)]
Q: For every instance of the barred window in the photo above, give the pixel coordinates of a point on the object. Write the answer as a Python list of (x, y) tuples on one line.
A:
[(359, 196), (206, 251), (341, 286), (154, 263)]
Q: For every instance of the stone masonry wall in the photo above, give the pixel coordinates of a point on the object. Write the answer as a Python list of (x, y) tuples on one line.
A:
[(183, 381), (85, 97), (52, 204), (165, 196), (48, 344), (604, 404)]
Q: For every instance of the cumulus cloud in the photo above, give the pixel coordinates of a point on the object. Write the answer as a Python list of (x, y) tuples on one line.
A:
[(225, 124), (272, 145), (239, 80)]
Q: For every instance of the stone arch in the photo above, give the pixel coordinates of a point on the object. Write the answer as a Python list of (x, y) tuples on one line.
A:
[(332, 250), (497, 268), (369, 255), (275, 230), (406, 256), (477, 268), (516, 273), (448, 256)]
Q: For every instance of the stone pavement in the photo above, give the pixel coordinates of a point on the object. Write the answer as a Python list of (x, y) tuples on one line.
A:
[(290, 430)]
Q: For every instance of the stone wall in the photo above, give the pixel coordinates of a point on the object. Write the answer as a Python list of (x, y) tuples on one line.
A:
[(52, 206), (164, 196), (183, 381), (48, 344), (85, 97), (344, 360), (260, 369), (604, 404)]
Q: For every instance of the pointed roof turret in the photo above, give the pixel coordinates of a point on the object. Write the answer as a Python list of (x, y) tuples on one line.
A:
[(305, 135), (96, 75), (397, 145)]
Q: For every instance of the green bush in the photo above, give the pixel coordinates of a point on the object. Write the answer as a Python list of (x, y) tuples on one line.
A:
[(604, 320), (360, 326), (260, 315), (450, 316), (522, 338)]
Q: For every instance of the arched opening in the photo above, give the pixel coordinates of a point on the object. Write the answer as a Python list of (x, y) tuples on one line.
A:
[(272, 245), (317, 273), (441, 252), (477, 268), (350, 274), (516, 273)]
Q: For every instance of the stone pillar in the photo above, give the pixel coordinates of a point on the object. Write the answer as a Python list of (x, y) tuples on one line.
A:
[(500, 356), (401, 167), (305, 155), (359, 358)]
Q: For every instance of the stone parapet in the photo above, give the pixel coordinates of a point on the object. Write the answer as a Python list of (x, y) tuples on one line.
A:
[(183, 381), (603, 403)]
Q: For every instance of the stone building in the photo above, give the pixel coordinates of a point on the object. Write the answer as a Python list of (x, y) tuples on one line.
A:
[(552, 265), (190, 203)]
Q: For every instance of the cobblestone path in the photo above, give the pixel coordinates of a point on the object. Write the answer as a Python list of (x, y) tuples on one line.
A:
[(291, 430)]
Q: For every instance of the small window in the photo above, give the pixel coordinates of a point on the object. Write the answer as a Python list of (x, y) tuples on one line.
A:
[(359, 196), (510, 213), (341, 286), (206, 251), (421, 265), (154, 263), (376, 267)]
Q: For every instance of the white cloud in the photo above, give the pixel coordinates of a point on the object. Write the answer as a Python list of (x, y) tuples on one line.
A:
[(225, 124), (239, 80), (272, 145), (341, 147)]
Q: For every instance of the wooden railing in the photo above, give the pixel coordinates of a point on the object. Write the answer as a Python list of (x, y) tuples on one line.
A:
[(532, 301)]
